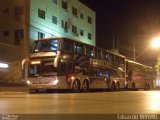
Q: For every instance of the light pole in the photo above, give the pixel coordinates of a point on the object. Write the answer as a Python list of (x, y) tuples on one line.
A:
[(156, 44)]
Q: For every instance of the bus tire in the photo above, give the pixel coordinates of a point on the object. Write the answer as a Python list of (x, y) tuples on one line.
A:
[(85, 86), (147, 87), (33, 91), (113, 86), (133, 87), (76, 86)]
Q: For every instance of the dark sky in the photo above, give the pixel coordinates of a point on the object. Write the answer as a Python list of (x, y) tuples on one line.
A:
[(129, 21)]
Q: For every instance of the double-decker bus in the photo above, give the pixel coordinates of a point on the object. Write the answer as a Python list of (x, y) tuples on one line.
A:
[(62, 63), (138, 76)]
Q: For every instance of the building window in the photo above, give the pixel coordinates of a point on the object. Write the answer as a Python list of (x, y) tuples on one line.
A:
[(5, 33), (64, 26), (19, 10), (54, 19), (41, 35), (81, 15), (54, 1), (41, 14), (6, 10), (89, 36), (74, 30), (74, 11), (18, 35), (81, 32), (89, 20), (62, 23), (64, 4)]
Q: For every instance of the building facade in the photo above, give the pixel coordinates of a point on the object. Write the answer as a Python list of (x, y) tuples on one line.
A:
[(23, 21)]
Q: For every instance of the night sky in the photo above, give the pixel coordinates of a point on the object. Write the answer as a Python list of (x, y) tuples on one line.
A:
[(128, 22)]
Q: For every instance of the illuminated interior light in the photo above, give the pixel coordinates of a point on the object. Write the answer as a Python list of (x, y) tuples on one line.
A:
[(36, 50), (35, 62), (3, 65)]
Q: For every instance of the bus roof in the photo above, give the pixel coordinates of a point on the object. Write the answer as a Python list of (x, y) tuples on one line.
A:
[(130, 61)]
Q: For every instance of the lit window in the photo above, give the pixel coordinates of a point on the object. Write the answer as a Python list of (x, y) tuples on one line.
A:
[(41, 14), (89, 19), (18, 35), (41, 35), (19, 10), (89, 36), (54, 19)]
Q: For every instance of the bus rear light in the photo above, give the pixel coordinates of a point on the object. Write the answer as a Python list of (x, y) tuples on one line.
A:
[(35, 62)]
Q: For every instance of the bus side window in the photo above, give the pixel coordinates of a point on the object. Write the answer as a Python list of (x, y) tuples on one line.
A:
[(98, 53), (89, 51), (79, 49), (67, 46), (110, 57)]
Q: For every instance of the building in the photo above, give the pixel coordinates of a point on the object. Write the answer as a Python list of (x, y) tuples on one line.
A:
[(23, 21)]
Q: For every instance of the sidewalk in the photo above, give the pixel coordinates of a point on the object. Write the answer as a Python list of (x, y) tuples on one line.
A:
[(13, 89)]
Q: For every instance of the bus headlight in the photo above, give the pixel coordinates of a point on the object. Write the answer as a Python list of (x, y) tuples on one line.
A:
[(28, 82), (4, 65), (35, 62), (55, 82), (72, 77)]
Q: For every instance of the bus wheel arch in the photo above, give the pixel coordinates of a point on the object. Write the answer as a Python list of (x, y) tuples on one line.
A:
[(147, 86), (133, 86), (117, 85), (113, 86), (85, 85), (76, 85)]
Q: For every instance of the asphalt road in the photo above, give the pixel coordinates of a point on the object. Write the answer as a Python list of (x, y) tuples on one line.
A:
[(128, 102)]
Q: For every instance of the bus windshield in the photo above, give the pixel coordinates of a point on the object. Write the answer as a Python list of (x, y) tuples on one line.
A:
[(46, 46), (45, 70)]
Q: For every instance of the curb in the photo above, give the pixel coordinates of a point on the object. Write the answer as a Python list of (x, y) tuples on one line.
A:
[(12, 93)]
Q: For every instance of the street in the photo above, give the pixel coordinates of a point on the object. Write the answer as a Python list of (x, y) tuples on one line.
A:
[(128, 102)]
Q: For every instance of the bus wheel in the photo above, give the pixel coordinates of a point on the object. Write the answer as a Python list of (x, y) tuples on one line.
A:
[(147, 86), (33, 91), (76, 86), (133, 87), (117, 86), (113, 87), (85, 86)]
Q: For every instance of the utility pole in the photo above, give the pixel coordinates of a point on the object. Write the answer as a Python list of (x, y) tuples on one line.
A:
[(134, 51), (113, 42)]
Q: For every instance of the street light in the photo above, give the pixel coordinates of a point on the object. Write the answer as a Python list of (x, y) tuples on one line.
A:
[(156, 42)]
